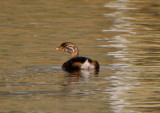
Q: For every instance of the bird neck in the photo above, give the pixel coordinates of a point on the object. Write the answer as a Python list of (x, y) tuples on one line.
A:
[(75, 53)]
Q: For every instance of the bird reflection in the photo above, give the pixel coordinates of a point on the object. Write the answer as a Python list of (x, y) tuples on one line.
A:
[(82, 73), (74, 77)]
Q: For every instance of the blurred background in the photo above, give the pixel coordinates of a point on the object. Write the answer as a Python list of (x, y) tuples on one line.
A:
[(122, 35)]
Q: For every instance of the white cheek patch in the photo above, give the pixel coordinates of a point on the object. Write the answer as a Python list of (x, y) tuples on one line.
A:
[(68, 50), (71, 48)]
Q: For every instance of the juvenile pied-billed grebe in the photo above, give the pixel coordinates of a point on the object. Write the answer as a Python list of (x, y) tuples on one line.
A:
[(76, 62)]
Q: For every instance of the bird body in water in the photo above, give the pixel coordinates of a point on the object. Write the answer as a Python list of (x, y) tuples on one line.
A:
[(77, 62)]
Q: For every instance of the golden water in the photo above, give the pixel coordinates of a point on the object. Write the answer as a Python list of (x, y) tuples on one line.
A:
[(123, 35)]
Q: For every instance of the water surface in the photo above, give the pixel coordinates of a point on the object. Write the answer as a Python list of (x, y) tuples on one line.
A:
[(123, 35)]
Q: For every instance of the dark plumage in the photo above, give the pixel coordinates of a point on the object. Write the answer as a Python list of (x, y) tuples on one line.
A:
[(76, 63)]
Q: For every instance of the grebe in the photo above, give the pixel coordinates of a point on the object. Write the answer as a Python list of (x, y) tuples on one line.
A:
[(76, 62)]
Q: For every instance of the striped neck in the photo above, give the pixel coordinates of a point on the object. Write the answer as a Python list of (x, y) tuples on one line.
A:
[(75, 52)]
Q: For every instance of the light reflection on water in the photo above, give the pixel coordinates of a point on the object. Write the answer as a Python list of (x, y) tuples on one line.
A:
[(123, 35), (136, 57)]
